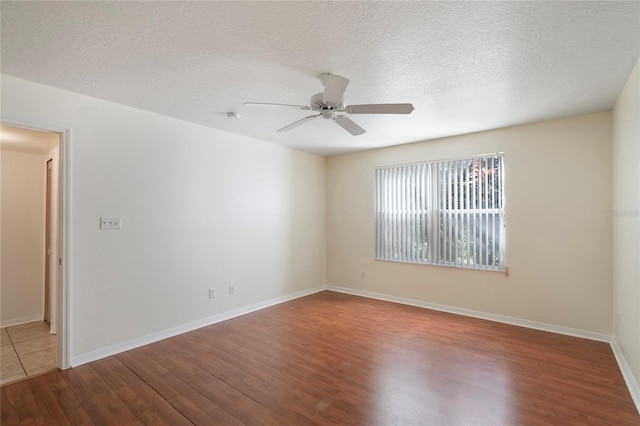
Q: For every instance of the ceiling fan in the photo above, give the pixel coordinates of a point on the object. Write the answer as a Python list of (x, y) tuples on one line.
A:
[(330, 106)]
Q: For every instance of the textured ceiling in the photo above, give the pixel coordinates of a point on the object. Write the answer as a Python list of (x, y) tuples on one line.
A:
[(466, 66)]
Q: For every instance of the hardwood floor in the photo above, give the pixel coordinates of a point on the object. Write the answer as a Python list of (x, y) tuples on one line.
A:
[(331, 358)]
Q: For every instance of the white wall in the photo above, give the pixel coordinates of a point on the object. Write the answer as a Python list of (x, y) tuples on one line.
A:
[(558, 186), (22, 237), (200, 208), (626, 221)]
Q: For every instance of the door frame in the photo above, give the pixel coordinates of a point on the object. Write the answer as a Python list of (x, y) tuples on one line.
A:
[(64, 252), (51, 238)]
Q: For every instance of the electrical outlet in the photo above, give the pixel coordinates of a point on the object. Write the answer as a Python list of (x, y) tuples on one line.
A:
[(232, 289), (110, 223), (212, 293)]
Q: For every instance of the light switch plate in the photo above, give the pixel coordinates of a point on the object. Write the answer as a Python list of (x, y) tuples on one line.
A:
[(109, 223)]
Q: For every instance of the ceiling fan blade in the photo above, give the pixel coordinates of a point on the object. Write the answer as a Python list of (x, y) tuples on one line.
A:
[(334, 87), (380, 109), (349, 125), (299, 122), (270, 105)]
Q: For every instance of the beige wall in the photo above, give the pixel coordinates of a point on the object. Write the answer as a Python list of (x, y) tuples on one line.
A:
[(203, 208), (22, 237), (200, 208), (558, 186), (626, 221)]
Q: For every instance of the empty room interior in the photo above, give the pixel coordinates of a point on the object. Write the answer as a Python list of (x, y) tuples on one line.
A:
[(367, 213)]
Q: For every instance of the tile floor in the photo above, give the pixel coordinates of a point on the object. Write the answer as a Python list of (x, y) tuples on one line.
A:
[(27, 350)]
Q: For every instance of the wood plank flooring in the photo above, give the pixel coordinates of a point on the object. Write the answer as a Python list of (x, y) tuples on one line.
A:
[(331, 358)]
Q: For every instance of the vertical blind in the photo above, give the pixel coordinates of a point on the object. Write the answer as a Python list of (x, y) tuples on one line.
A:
[(446, 213)]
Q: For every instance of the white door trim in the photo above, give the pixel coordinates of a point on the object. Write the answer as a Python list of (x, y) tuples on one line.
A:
[(64, 261)]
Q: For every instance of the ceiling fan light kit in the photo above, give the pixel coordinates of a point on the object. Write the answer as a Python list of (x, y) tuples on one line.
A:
[(330, 106)]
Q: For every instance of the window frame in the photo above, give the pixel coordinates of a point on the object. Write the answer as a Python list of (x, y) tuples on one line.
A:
[(435, 207)]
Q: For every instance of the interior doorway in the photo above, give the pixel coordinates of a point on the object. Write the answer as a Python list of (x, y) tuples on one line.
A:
[(33, 285)]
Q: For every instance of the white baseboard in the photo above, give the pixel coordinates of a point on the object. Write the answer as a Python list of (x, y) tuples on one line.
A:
[(164, 334), (600, 337), (21, 320), (632, 385)]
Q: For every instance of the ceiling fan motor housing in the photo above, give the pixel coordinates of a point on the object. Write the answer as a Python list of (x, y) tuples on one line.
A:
[(327, 110)]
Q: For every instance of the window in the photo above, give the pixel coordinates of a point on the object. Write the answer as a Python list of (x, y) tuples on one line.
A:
[(442, 213)]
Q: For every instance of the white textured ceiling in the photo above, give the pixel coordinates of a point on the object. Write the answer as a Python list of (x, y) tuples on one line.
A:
[(466, 66)]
